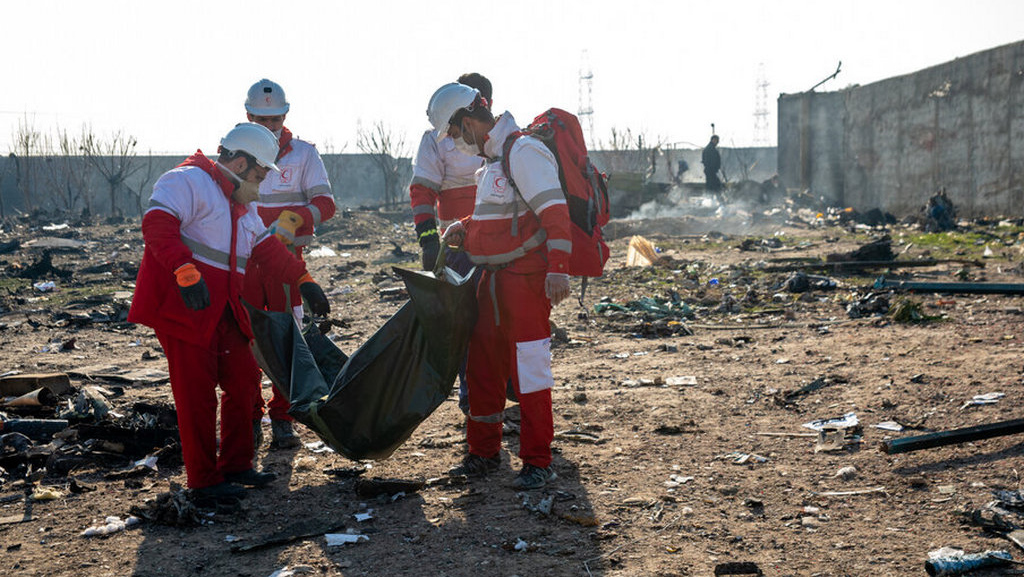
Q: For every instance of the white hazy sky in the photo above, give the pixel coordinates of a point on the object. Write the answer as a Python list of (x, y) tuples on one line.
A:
[(175, 74)]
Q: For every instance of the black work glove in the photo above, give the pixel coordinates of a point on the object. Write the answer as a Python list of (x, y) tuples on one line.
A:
[(197, 296), (430, 251), (314, 295), (426, 233), (192, 287)]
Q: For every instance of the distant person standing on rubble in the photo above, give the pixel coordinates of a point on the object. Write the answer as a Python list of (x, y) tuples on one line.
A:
[(521, 235), (292, 202), (201, 232), (712, 161), (443, 190)]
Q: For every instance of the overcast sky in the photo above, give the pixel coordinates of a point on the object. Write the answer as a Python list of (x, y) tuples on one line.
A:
[(175, 74)]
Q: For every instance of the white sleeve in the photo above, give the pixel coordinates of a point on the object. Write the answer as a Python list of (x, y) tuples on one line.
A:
[(535, 172), (315, 181), (173, 194), (427, 166)]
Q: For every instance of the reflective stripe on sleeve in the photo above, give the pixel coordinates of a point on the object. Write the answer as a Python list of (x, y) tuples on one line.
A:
[(213, 257), (546, 198), (161, 206), (279, 198), (560, 244), (318, 190)]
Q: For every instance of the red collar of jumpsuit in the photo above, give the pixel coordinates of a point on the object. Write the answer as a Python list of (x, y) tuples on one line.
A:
[(285, 143)]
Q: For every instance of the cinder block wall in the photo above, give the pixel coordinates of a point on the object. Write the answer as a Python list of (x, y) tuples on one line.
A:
[(891, 144), (356, 181)]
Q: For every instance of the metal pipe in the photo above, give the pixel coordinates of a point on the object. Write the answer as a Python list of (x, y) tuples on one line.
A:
[(951, 287), (953, 437)]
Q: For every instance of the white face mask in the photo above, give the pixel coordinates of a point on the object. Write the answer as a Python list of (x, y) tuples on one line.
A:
[(246, 192), (465, 147), (277, 133)]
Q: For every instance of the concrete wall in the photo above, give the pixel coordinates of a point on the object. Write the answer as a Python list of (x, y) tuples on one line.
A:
[(891, 144), (355, 178)]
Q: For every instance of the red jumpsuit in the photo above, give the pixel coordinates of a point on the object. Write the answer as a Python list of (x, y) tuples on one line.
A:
[(519, 237), (192, 219), (302, 187)]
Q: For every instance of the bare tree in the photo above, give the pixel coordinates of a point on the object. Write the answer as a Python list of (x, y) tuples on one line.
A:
[(11, 164), (386, 148), (26, 143), (637, 153), (146, 170), (113, 158), (66, 178)]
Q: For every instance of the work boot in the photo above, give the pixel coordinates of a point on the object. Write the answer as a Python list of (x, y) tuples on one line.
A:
[(476, 466), (222, 490), (283, 435), (533, 477), (251, 478)]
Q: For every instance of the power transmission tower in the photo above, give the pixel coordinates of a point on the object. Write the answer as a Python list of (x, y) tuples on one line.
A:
[(761, 108), (586, 87)]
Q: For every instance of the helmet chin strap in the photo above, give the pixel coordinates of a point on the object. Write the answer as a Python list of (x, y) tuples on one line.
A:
[(235, 177)]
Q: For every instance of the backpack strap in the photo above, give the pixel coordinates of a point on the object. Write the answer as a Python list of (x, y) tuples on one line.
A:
[(506, 167)]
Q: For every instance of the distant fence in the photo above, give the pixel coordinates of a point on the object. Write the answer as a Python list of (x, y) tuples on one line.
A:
[(51, 184)]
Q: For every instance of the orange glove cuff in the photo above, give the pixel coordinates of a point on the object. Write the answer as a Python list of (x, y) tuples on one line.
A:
[(187, 275), (305, 279)]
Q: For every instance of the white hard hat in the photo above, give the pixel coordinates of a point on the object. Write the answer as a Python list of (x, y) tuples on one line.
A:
[(255, 140), (266, 98), (445, 102)]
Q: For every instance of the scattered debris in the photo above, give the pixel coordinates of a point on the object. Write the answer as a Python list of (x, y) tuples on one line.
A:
[(683, 381), (849, 493), (339, 539), (738, 568), (738, 458), (947, 563), (321, 252), (986, 399), (878, 250), (905, 310), (846, 421), (846, 473), (579, 437), (374, 487), (16, 385), (818, 383), (174, 508), (111, 525), (641, 252), (301, 530)]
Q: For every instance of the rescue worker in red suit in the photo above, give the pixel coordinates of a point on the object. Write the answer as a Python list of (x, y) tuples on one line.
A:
[(201, 232), (292, 202), (522, 239), (443, 190)]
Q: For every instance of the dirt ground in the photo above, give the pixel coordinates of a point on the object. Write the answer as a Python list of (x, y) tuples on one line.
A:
[(657, 474)]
